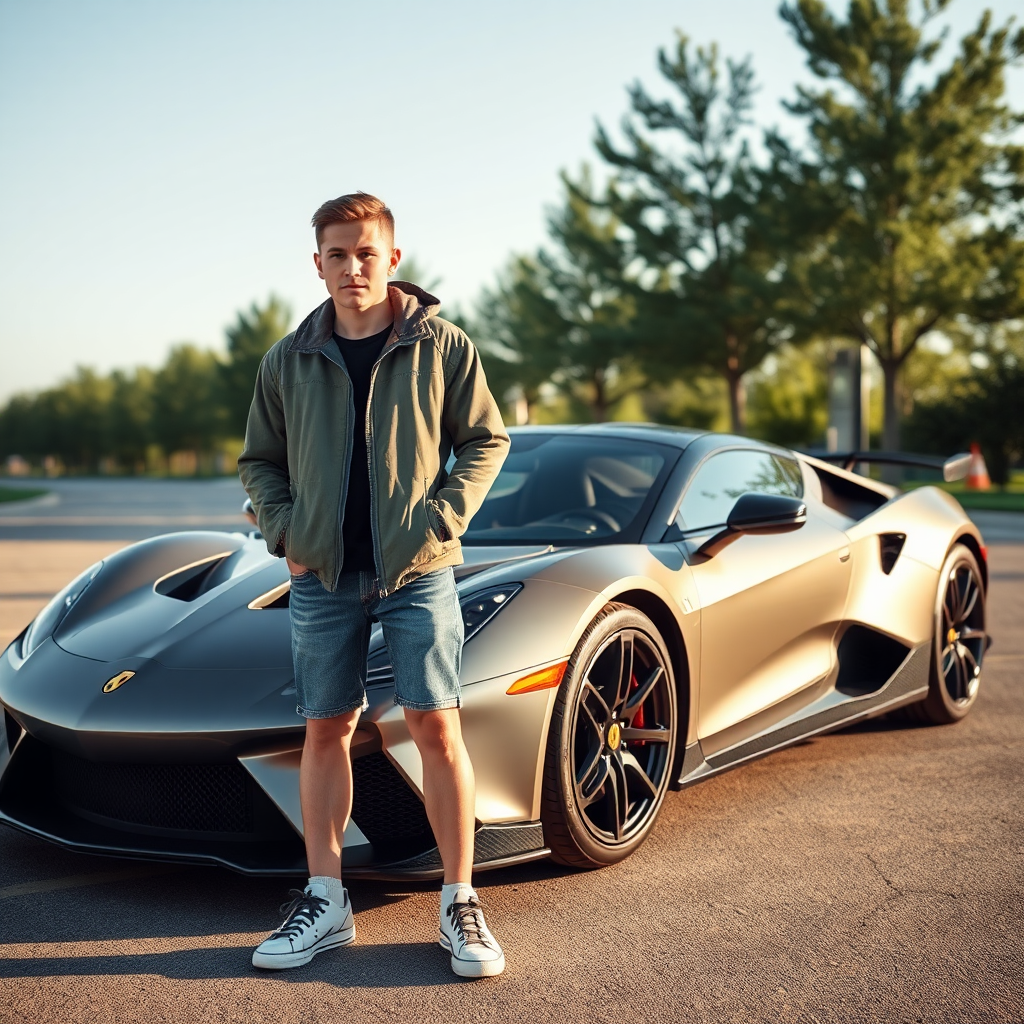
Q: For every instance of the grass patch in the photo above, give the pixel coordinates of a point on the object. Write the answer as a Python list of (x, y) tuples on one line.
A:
[(998, 499), (21, 493)]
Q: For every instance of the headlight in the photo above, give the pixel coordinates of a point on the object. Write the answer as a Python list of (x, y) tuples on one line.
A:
[(47, 621), (478, 609)]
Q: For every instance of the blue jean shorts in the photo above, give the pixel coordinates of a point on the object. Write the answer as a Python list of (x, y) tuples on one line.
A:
[(423, 631)]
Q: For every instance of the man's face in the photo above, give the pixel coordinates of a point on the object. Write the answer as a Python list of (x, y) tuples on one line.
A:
[(355, 261)]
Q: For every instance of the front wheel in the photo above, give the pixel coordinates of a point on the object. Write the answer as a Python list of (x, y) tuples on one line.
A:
[(612, 741), (958, 644)]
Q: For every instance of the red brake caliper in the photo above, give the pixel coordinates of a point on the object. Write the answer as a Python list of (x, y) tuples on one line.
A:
[(638, 718)]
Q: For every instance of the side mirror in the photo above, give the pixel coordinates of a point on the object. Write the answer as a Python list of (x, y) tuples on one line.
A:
[(757, 513), (766, 513), (956, 467)]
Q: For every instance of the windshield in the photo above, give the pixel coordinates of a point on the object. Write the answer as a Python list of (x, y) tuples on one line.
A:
[(568, 489)]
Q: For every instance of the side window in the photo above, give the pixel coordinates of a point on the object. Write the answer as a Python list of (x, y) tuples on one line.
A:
[(791, 473), (724, 477)]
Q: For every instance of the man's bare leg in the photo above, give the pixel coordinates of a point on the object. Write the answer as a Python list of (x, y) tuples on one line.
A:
[(449, 792), (325, 790), (321, 916), (449, 787)]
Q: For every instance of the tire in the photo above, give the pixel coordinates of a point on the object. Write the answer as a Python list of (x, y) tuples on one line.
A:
[(611, 743), (958, 642)]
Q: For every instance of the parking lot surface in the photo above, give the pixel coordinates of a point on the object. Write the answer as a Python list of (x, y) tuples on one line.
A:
[(875, 874)]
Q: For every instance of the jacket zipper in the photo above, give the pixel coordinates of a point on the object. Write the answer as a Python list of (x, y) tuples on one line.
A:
[(339, 545), (378, 558)]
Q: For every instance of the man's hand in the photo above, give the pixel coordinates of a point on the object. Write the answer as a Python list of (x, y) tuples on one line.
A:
[(295, 568)]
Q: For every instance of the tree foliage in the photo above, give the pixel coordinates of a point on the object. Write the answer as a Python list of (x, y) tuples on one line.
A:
[(694, 275), (907, 206), (567, 315), (194, 402), (248, 340), (518, 331), (986, 407), (711, 273)]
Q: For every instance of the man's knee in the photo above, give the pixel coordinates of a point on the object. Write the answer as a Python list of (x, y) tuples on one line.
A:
[(438, 733), (325, 734)]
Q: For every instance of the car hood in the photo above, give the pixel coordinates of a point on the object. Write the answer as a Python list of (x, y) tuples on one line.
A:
[(137, 609)]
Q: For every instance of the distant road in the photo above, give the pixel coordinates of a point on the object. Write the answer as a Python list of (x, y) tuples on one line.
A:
[(996, 527), (124, 509)]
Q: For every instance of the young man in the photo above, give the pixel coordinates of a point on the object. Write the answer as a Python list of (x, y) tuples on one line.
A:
[(351, 425)]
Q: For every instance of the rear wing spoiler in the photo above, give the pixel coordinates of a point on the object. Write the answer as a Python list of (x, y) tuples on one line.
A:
[(954, 468)]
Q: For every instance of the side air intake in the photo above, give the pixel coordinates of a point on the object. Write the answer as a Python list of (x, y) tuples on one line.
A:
[(889, 547), (867, 660)]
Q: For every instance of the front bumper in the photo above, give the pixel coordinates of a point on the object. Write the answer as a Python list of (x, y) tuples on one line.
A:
[(90, 772)]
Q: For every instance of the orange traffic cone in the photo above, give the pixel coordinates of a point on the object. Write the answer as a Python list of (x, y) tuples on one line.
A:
[(977, 476)]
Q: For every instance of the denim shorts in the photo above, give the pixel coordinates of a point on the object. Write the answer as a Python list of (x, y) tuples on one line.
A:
[(423, 631)]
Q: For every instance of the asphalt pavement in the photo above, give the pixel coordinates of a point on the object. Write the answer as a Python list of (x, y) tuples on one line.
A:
[(875, 874), (124, 508)]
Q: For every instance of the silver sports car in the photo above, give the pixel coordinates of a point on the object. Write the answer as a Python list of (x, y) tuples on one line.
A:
[(644, 607)]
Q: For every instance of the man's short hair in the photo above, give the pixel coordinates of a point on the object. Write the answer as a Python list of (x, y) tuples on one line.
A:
[(357, 206)]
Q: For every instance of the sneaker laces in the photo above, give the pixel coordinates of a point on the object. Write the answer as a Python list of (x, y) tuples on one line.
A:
[(300, 913), (468, 919)]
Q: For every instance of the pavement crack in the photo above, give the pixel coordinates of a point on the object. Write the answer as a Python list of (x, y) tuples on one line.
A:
[(892, 890), (883, 876)]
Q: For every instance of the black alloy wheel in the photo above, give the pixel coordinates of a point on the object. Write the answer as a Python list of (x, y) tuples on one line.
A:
[(612, 741), (959, 642)]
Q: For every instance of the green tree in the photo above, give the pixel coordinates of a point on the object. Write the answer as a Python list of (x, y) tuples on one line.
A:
[(909, 197), (519, 332), (586, 279), (187, 415), (78, 412), (248, 339), (986, 406), (691, 199), (567, 315), (788, 397), (129, 420)]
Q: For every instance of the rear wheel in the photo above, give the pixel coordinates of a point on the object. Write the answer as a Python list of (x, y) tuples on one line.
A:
[(958, 644), (612, 741)]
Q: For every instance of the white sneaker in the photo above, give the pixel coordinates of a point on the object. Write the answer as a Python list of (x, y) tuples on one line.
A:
[(312, 924), (464, 933)]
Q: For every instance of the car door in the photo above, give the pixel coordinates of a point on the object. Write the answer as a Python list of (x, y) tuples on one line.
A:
[(770, 603)]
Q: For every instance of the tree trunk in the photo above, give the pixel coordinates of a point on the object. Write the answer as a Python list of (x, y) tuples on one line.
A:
[(737, 391), (600, 405), (893, 405), (737, 402), (893, 409)]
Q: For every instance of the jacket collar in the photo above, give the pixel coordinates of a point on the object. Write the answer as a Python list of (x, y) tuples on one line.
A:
[(412, 306)]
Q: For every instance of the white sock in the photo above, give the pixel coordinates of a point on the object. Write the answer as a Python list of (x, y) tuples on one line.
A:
[(455, 890), (335, 890)]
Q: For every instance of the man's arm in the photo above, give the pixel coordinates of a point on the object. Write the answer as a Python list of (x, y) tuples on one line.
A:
[(478, 435), (263, 464)]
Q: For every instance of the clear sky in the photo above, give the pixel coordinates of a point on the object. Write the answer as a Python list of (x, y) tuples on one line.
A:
[(159, 162)]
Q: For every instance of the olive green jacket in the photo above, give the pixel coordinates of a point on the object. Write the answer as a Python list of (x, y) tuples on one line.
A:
[(428, 397)]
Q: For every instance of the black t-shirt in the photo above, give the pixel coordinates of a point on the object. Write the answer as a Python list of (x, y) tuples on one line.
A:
[(359, 354)]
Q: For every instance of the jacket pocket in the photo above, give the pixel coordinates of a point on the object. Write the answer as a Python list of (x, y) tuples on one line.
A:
[(432, 534), (437, 523), (296, 537)]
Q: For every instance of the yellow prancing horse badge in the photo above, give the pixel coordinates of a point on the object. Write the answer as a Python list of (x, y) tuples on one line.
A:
[(119, 680)]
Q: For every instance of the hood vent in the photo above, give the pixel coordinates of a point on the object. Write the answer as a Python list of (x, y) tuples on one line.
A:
[(194, 580), (889, 547)]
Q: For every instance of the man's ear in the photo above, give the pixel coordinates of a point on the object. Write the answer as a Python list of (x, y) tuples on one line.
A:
[(396, 258), (319, 265)]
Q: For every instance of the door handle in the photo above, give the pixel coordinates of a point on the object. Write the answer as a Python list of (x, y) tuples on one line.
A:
[(844, 554)]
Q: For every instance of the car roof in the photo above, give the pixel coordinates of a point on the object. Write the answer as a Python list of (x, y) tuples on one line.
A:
[(660, 433)]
